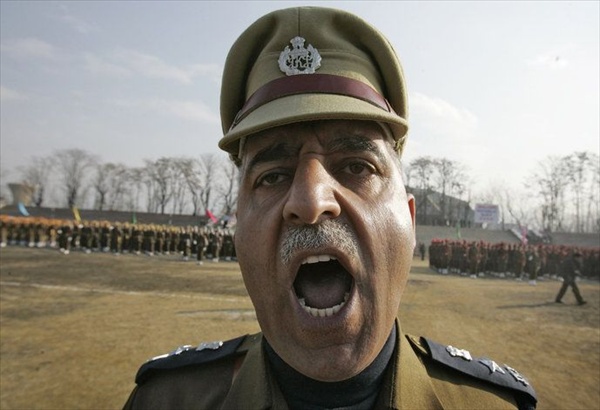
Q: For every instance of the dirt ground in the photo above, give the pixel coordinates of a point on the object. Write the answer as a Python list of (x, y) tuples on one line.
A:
[(75, 328)]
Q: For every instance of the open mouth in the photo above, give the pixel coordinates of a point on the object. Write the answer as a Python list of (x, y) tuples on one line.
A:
[(322, 285)]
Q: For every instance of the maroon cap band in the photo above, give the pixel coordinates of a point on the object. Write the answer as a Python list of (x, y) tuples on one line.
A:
[(311, 83)]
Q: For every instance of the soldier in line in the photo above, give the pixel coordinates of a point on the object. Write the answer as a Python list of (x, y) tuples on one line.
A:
[(473, 254), (502, 262), (185, 246), (85, 239), (41, 234), (227, 240), (532, 264), (4, 224), (518, 261), (137, 239), (483, 257), (160, 240), (65, 237), (215, 243), (149, 240), (202, 243), (116, 239), (168, 240), (126, 238), (175, 238)]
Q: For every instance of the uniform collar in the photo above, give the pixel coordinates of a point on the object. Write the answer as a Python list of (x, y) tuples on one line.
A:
[(406, 385)]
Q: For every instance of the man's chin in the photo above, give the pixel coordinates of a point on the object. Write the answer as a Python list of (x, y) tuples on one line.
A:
[(330, 348), (330, 364)]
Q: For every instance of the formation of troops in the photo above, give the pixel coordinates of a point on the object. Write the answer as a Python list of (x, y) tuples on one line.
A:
[(197, 243), (520, 261), (215, 243)]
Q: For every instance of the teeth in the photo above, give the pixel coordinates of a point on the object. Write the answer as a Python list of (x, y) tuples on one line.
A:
[(318, 258), (327, 312)]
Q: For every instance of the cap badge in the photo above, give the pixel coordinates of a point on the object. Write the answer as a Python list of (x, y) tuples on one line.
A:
[(299, 60)]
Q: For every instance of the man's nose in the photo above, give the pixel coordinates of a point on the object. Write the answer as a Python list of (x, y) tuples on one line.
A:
[(312, 196)]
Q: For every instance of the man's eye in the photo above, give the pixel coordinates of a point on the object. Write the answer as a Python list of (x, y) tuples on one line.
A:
[(271, 179), (359, 168)]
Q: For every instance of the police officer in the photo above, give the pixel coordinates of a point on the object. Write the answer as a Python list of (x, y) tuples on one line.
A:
[(314, 111)]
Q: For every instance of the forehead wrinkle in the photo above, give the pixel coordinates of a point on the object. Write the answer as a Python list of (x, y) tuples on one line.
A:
[(354, 144), (272, 153)]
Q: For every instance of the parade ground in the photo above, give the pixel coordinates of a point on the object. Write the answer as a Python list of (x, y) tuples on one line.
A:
[(75, 328)]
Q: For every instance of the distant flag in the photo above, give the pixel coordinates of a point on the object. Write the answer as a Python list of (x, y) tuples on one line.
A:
[(76, 214), (22, 209), (524, 235), (211, 216)]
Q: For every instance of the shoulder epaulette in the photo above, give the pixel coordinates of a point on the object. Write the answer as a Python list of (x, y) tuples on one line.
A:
[(189, 355), (481, 368)]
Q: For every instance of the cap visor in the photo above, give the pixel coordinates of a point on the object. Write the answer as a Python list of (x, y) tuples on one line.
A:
[(309, 107)]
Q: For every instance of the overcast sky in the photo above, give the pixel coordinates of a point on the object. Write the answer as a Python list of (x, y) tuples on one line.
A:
[(497, 86)]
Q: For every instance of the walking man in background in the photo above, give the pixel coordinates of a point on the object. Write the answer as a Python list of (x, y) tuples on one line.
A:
[(570, 270)]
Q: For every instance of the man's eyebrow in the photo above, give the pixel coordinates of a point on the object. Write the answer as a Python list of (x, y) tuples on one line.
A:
[(271, 153), (354, 143)]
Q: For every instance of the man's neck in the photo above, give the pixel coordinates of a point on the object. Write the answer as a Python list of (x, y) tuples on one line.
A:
[(358, 392)]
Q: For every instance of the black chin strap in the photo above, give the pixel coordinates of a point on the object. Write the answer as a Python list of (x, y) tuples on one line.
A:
[(358, 392)]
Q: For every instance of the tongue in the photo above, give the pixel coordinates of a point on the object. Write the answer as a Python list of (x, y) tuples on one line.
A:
[(322, 289)]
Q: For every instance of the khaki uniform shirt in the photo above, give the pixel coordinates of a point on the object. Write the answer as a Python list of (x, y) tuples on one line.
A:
[(241, 379)]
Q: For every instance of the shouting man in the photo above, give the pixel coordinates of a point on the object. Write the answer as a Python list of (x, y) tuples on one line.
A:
[(314, 113)]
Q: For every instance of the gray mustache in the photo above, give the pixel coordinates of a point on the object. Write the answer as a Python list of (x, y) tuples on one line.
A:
[(330, 233)]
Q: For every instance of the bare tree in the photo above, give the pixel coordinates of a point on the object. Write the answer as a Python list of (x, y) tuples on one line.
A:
[(101, 184), (580, 168), (110, 185), (119, 178), (550, 180), (159, 181), (36, 175), (191, 172), (449, 179), (72, 165), (134, 187), (420, 172), (229, 187), (593, 200), (208, 166), (150, 186), (179, 184), (518, 206)]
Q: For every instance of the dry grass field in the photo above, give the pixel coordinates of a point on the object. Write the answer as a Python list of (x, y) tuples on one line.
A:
[(75, 328)]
